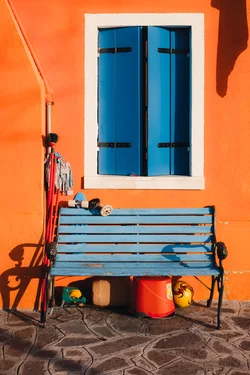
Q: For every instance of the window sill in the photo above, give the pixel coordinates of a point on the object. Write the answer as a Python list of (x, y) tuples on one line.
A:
[(158, 183)]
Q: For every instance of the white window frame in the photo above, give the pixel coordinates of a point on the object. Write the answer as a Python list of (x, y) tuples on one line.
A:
[(92, 180)]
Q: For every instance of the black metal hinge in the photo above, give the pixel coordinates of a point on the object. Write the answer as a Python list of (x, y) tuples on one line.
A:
[(173, 51), (114, 144), (173, 144), (115, 50)]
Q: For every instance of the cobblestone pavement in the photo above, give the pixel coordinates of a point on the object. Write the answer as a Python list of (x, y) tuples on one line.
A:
[(95, 341)]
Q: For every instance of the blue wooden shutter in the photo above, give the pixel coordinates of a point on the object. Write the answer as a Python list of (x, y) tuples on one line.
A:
[(168, 101), (180, 101), (119, 101), (158, 101)]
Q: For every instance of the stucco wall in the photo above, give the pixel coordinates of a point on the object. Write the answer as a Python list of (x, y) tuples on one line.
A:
[(56, 32), (22, 108)]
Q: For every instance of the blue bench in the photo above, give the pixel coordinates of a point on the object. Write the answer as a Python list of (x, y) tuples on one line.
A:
[(137, 242)]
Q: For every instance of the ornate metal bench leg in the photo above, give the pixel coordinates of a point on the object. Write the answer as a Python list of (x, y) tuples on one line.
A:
[(51, 292), (44, 307), (220, 290), (48, 293), (209, 301)]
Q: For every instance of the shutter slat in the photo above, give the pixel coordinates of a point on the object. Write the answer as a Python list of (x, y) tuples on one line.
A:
[(180, 101), (106, 100), (119, 116), (158, 101)]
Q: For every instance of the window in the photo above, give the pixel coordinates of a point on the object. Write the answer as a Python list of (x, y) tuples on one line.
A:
[(144, 101), (142, 129)]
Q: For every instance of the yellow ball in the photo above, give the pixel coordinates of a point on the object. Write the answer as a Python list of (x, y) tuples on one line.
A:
[(183, 294), (75, 293)]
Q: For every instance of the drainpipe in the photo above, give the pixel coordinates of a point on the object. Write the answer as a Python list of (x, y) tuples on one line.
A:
[(48, 94), (49, 105)]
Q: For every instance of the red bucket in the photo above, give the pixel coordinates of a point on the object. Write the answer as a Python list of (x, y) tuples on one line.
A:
[(153, 297)]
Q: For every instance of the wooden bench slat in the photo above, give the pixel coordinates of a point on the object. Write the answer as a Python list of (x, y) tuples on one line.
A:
[(142, 211), (145, 248), (184, 229), (83, 219), (131, 265), (133, 238), (134, 258), (199, 269)]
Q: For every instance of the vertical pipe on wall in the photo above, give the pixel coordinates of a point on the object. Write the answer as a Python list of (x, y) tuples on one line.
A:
[(49, 105)]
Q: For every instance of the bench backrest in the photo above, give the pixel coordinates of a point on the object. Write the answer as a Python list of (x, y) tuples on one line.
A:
[(181, 234)]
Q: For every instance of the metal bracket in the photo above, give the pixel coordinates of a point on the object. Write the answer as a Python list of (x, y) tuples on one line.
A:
[(115, 50), (173, 51), (173, 144), (114, 144)]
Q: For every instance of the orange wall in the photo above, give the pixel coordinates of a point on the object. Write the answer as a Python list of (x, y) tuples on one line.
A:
[(56, 32), (21, 157)]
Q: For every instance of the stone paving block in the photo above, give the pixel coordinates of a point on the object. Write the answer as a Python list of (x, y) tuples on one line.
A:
[(228, 308), (143, 363), (77, 341), (161, 327), (125, 324), (107, 348), (3, 317), (7, 365), (15, 320), (34, 367), (211, 370), (136, 371), (245, 345), (244, 308), (221, 347), (196, 308), (46, 354), (17, 349), (134, 352), (160, 357), (226, 335), (236, 361), (61, 315), (181, 340), (180, 368), (47, 337), (104, 331), (242, 323), (233, 372), (95, 316), (199, 355), (108, 366), (74, 328), (70, 366), (5, 335), (25, 334), (75, 354)]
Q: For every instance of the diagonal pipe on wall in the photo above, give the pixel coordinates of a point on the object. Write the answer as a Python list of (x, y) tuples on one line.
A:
[(48, 94)]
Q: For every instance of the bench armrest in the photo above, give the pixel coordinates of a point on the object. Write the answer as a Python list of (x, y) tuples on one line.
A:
[(221, 250), (51, 251)]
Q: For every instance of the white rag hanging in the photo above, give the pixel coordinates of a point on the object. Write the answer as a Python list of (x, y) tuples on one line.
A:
[(63, 177)]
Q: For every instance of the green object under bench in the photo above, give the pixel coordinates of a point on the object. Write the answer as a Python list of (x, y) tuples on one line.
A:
[(138, 242)]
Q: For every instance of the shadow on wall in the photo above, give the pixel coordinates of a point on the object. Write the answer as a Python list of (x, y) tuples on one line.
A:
[(17, 279), (232, 38)]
